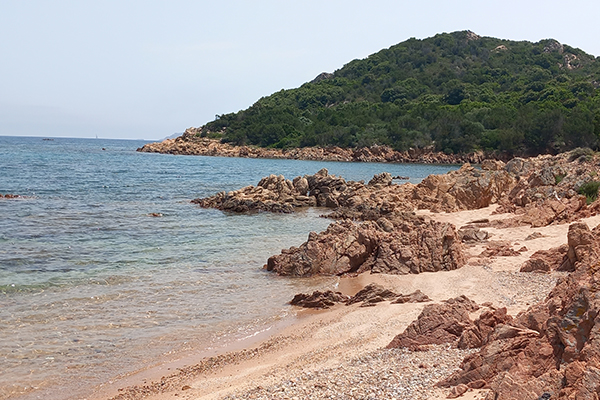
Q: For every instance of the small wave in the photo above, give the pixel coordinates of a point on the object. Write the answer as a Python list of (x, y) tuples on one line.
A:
[(255, 334)]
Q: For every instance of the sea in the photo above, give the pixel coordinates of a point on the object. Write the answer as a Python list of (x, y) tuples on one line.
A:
[(106, 267)]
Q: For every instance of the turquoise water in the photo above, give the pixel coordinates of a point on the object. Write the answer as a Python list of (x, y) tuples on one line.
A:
[(92, 286)]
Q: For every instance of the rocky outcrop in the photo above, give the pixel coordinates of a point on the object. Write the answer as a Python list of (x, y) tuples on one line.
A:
[(10, 196), (547, 260), (415, 297), (370, 295), (547, 188), (399, 246), (465, 189), (500, 249), (318, 299), (472, 235), (192, 143), (538, 191), (478, 333), (277, 194), (437, 324), (552, 349)]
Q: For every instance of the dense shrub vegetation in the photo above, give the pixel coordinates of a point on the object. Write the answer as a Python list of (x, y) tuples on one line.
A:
[(590, 191), (458, 92)]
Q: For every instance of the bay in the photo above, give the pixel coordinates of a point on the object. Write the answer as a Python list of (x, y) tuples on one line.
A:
[(93, 286)]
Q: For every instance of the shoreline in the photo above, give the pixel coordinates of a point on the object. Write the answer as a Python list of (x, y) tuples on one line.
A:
[(191, 144), (319, 345)]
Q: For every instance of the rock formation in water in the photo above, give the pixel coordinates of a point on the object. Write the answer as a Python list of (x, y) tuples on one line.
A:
[(191, 144)]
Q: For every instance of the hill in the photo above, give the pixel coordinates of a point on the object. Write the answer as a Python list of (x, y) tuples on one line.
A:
[(456, 92)]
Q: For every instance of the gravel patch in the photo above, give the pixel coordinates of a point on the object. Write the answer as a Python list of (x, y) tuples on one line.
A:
[(381, 374)]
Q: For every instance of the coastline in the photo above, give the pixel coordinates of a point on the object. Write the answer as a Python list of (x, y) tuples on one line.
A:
[(189, 143), (319, 346)]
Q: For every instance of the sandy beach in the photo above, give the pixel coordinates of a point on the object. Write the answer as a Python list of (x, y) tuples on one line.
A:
[(340, 353)]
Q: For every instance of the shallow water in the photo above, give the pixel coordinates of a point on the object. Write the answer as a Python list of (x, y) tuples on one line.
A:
[(92, 286)]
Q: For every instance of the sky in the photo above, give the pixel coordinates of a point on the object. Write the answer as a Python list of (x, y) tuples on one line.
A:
[(148, 69)]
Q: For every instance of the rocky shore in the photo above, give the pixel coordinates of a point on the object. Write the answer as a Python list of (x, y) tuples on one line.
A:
[(499, 267), (191, 143)]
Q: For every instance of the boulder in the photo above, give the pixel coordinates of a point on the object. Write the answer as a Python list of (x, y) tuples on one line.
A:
[(500, 249), (477, 334), (383, 179), (415, 297), (318, 299), (372, 294), (472, 235), (464, 189), (437, 324), (411, 245), (545, 260), (492, 165)]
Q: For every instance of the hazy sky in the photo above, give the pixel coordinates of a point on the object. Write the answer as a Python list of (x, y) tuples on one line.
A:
[(147, 69)]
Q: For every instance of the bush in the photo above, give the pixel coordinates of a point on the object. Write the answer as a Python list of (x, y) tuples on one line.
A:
[(581, 151), (590, 191)]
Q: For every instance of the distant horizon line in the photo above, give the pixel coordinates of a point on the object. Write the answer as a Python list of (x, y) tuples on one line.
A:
[(77, 137)]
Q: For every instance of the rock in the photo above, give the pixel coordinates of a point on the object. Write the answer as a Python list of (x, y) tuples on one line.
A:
[(553, 349), (499, 249), (534, 235), (383, 179), (492, 165), (414, 245), (322, 77), (464, 189), (477, 334), (385, 224), (437, 324), (354, 199), (318, 299), (545, 260), (471, 235), (194, 142), (372, 294), (414, 297), (583, 245), (479, 221), (545, 177), (457, 391), (301, 185), (517, 166), (535, 265)]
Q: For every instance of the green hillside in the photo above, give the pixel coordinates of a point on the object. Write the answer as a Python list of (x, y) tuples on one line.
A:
[(458, 92)]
